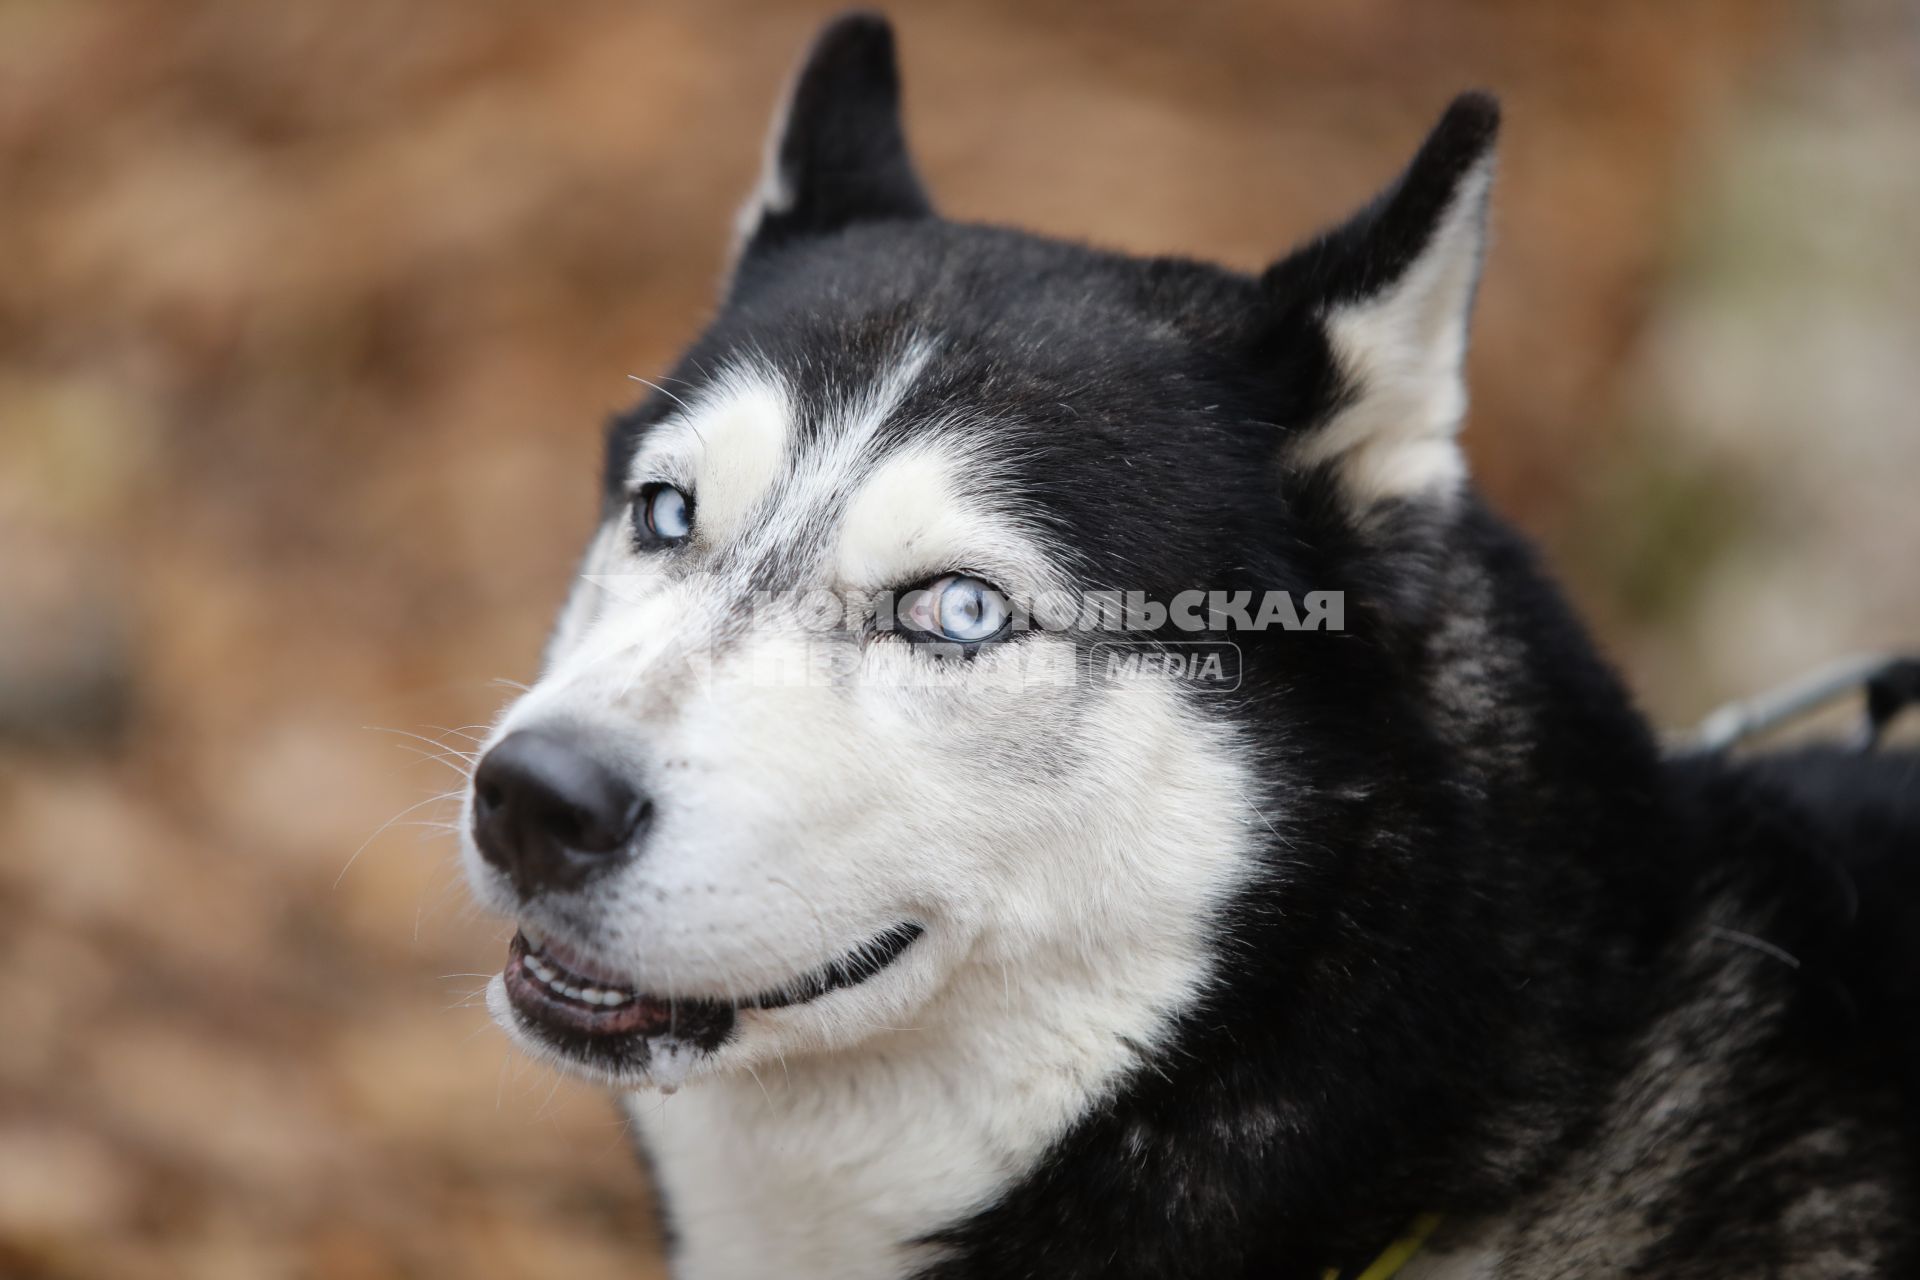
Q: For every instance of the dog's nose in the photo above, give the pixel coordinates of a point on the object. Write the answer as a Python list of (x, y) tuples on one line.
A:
[(548, 813)]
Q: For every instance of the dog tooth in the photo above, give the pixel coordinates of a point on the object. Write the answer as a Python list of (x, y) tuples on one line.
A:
[(535, 938)]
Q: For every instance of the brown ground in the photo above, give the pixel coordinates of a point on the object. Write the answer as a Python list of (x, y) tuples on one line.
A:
[(309, 314)]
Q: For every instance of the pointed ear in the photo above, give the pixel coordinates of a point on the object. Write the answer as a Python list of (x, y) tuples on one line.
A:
[(837, 153), (1391, 292)]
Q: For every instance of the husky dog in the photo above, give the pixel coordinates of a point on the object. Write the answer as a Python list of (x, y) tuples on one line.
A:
[(915, 949)]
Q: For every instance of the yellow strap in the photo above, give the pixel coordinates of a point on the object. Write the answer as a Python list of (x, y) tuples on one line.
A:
[(1398, 1254)]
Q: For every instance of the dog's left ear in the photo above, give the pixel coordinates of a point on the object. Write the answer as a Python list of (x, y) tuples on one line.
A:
[(837, 154), (1390, 292)]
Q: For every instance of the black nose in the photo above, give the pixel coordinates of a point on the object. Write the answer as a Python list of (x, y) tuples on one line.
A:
[(550, 814)]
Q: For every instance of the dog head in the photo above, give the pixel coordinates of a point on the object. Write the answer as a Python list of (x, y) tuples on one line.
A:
[(819, 750)]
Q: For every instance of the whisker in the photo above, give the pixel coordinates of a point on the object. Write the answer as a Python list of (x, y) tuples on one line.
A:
[(1751, 942), (445, 758), (435, 743), (763, 1087), (662, 390), (382, 829), (540, 1112)]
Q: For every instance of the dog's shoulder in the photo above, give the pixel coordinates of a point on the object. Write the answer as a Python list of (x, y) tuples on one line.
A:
[(1837, 832), (1762, 1121)]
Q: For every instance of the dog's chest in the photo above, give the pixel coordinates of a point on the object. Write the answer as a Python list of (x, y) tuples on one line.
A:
[(821, 1183)]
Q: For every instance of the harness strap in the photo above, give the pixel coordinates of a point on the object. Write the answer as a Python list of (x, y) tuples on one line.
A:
[(1891, 682), (1396, 1255)]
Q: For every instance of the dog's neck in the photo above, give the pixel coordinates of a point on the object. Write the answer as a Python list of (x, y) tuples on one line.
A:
[(843, 1165)]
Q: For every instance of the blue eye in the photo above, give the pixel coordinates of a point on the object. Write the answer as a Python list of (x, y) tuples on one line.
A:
[(662, 513), (958, 610)]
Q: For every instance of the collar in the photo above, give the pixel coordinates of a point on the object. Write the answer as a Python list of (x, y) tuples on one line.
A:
[(1394, 1256)]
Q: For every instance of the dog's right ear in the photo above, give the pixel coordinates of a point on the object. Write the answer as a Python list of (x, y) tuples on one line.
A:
[(837, 154)]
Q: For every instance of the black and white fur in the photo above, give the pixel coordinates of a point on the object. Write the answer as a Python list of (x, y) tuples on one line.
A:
[(1418, 919)]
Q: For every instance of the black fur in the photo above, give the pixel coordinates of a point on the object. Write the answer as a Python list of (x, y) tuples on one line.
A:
[(1495, 920), (841, 156), (1379, 243)]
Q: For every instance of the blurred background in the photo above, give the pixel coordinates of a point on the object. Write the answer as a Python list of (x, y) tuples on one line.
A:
[(309, 318)]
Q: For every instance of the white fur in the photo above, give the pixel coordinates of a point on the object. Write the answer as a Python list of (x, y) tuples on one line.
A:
[(1405, 351), (924, 511), (820, 481), (773, 191), (728, 446), (1065, 846), (584, 602)]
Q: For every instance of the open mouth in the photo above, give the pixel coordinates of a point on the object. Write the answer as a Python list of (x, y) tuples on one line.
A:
[(579, 1005)]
